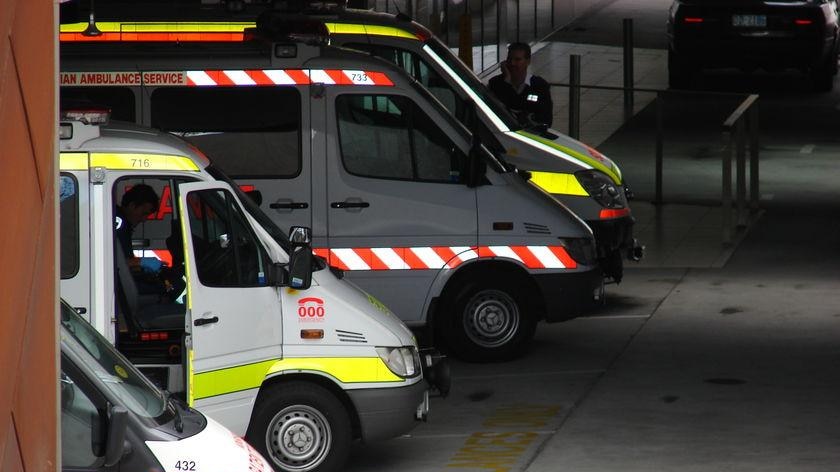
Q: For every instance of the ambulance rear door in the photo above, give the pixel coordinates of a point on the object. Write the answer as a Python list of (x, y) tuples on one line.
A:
[(234, 317), (398, 211)]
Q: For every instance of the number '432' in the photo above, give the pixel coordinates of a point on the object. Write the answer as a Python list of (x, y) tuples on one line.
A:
[(185, 465)]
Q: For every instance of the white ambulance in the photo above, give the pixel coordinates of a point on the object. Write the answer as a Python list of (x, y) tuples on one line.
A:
[(265, 340), (400, 195), (113, 418)]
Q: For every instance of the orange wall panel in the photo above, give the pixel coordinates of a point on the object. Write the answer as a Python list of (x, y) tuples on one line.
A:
[(28, 293)]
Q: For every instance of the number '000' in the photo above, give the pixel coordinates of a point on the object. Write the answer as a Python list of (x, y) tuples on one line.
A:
[(311, 311)]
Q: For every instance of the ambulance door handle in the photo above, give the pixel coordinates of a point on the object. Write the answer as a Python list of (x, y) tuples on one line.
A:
[(346, 204), (205, 321), (289, 206)]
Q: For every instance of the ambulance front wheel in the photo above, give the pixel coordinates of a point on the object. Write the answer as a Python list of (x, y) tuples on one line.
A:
[(490, 323), (301, 427)]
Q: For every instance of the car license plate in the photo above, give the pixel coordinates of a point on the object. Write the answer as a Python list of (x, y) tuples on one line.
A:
[(749, 21)]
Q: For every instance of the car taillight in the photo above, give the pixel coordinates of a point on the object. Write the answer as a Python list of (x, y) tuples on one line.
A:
[(692, 19)]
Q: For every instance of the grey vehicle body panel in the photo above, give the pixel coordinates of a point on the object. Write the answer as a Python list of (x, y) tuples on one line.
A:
[(401, 214)]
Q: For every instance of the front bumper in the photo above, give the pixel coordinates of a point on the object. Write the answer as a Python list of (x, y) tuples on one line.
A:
[(388, 412), (569, 295), (614, 234)]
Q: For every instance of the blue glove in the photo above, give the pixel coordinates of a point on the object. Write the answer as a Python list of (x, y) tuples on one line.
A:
[(150, 264)]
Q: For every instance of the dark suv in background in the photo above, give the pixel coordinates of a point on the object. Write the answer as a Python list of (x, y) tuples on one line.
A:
[(753, 34)]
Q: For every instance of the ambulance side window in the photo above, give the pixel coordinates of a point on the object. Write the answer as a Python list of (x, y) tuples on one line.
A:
[(227, 253), (68, 206), (120, 100), (389, 136), (248, 132), (419, 69)]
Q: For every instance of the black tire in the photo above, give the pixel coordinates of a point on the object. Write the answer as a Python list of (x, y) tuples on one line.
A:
[(308, 414), (680, 74), (489, 323)]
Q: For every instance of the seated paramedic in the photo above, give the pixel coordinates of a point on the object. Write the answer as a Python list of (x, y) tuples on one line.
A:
[(137, 204)]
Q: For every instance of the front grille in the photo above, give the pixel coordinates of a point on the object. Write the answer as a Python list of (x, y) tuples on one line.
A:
[(350, 336), (536, 229)]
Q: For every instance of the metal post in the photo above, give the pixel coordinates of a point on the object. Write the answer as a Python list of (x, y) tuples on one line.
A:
[(741, 173), (752, 116), (726, 190), (481, 35), (627, 27), (657, 199), (574, 96)]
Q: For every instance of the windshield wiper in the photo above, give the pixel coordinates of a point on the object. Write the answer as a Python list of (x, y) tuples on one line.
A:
[(179, 422)]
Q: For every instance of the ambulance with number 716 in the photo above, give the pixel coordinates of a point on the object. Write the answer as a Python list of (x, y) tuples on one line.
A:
[(266, 340)]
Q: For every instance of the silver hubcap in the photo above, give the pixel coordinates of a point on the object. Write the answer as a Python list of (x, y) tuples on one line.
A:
[(298, 438), (491, 318)]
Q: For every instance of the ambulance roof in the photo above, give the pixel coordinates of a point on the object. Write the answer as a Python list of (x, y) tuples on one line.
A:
[(127, 138)]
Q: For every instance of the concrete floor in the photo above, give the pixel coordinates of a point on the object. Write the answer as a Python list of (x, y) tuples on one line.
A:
[(707, 357)]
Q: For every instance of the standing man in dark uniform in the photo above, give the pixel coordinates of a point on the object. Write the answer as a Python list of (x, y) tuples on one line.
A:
[(521, 91)]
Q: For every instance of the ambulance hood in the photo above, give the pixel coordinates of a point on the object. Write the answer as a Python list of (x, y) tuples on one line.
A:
[(214, 449), (528, 149), (383, 328)]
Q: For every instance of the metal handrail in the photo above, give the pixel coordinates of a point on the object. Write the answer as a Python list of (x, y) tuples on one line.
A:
[(742, 120)]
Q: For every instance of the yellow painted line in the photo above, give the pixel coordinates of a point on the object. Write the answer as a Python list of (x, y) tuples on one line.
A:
[(73, 161), (126, 161), (557, 183)]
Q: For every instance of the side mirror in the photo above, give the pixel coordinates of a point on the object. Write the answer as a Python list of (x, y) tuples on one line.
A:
[(300, 236), (300, 258), (300, 267), (117, 425), (476, 165)]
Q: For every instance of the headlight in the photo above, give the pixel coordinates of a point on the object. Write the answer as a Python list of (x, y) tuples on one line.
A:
[(403, 361), (601, 188)]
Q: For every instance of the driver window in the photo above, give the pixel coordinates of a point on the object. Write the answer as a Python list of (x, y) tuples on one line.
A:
[(389, 136), (227, 253), (82, 428), (419, 69)]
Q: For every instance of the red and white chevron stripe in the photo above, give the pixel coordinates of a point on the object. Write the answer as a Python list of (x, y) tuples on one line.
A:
[(214, 78), (439, 257)]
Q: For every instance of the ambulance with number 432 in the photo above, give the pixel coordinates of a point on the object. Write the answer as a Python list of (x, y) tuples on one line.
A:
[(266, 340)]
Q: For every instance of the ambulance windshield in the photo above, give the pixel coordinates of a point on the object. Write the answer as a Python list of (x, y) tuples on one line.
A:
[(253, 209), (460, 73), (116, 373)]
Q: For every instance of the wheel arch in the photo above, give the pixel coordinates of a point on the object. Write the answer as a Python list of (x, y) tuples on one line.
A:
[(484, 270), (322, 380)]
